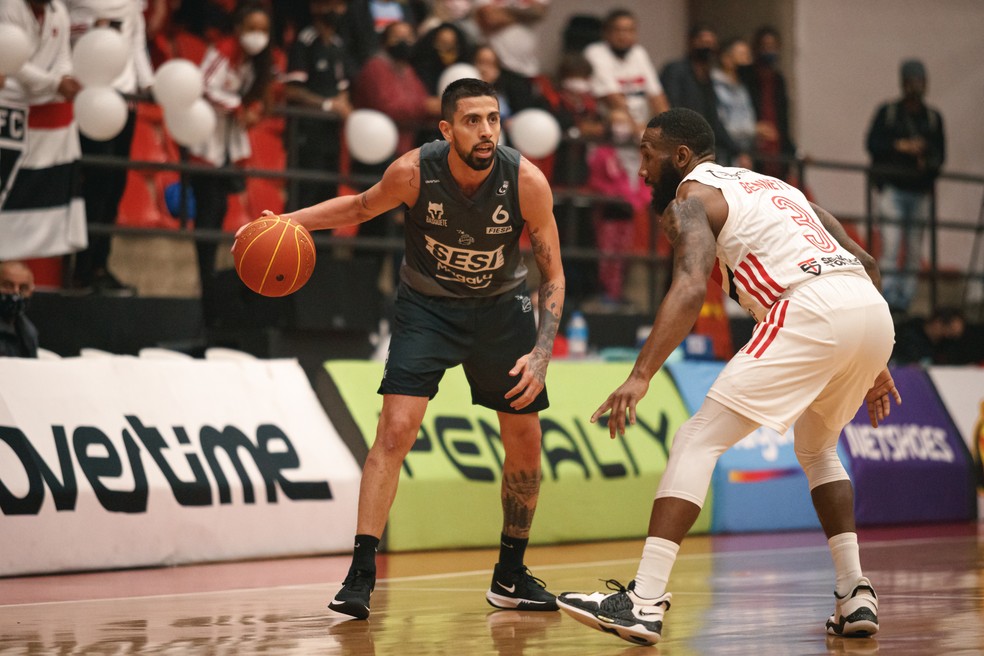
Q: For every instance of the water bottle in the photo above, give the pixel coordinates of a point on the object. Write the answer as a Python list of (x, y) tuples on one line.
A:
[(577, 336)]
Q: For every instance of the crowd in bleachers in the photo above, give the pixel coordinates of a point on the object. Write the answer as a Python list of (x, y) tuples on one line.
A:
[(284, 75), (333, 56)]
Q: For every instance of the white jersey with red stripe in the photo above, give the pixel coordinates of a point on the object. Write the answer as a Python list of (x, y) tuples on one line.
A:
[(772, 240)]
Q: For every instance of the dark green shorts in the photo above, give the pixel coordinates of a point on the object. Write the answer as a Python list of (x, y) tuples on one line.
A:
[(485, 335)]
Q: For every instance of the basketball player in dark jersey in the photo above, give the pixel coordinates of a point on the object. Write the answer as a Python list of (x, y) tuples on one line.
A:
[(462, 299)]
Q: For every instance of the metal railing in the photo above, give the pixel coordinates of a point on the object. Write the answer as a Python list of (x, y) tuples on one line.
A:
[(568, 198)]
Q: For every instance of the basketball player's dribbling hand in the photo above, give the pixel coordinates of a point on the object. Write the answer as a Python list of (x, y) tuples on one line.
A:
[(879, 397), (232, 249), (622, 402)]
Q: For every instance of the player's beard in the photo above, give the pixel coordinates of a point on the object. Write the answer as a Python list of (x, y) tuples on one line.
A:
[(472, 160), (665, 190)]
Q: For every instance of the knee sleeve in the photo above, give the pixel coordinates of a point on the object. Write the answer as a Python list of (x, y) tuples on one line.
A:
[(696, 448), (816, 450)]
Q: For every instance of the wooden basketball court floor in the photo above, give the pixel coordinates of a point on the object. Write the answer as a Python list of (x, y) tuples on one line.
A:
[(741, 594)]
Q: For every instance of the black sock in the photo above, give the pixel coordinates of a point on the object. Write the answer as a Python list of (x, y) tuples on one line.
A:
[(364, 554), (511, 552)]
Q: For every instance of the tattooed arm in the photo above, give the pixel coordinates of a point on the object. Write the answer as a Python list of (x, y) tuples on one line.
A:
[(688, 228), (536, 203), (399, 184)]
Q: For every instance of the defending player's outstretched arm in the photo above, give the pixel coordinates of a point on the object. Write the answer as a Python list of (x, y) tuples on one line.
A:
[(688, 228)]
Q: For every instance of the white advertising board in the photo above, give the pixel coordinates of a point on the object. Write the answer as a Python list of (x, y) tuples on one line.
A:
[(124, 462)]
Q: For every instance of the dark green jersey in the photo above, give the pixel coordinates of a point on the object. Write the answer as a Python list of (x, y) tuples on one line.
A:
[(459, 246)]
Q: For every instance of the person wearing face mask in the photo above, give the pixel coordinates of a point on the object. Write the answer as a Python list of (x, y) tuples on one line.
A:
[(688, 84), (623, 75), (102, 186), (613, 171), (767, 86), (734, 103), (388, 83), (907, 148), (437, 49), (238, 73), (319, 69), (18, 336)]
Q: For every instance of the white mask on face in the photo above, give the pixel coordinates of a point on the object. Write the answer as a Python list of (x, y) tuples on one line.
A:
[(254, 42), (577, 85)]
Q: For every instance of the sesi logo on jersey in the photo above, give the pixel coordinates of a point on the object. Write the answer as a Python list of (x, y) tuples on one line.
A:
[(465, 259)]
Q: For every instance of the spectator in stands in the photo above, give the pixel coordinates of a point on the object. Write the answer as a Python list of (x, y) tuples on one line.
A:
[(238, 73), (18, 336), (577, 111), (623, 75), (688, 84), (509, 27), (942, 338), (358, 33), (767, 86), (614, 171), (907, 148), (389, 84), (39, 213), (318, 75), (103, 186), (734, 103), (438, 49), (572, 103)]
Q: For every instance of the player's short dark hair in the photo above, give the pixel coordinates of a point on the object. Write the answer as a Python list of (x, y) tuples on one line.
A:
[(467, 87), (685, 127)]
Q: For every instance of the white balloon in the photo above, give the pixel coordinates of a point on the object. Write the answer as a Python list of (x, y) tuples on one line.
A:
[(534, 132), (453, 73), (99, 57), (192, 125), (177, 84), (17, 48), (371, 136), (101, 112)]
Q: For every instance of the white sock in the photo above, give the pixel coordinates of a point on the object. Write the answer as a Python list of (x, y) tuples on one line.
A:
[(847, 561), (658, 557)]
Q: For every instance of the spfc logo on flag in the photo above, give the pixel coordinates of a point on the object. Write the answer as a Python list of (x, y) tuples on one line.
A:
[(13, 139), (810, 266)]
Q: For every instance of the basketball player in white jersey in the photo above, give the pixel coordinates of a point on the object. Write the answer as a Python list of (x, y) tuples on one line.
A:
[(820, 348)]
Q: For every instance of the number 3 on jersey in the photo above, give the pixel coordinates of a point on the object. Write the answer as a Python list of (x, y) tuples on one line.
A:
[(816, 234)]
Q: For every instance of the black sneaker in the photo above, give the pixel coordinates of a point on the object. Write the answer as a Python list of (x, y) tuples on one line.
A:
[(353, 598), (519, 590)]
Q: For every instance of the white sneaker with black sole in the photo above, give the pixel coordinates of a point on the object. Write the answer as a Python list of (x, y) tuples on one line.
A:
[(855, 615), (621, 613)]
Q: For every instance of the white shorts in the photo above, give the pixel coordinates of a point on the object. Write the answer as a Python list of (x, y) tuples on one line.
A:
[(820, 347)]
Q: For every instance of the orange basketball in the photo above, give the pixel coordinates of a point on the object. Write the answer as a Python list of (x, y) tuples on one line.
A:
[(274, 256)]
